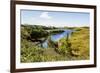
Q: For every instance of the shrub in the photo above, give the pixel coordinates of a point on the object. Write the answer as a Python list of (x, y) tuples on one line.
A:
[(64, 46)]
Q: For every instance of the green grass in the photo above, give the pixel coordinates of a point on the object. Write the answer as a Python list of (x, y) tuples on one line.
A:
[(74, 48), (80, 43)]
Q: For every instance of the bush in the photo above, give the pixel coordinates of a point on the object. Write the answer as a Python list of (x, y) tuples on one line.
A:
[(64, 46)]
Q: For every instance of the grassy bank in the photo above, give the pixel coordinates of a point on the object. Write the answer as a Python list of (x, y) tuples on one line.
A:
[(74, 48)]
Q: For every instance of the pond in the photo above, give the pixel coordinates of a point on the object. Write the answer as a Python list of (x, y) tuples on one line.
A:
[(57, 37)]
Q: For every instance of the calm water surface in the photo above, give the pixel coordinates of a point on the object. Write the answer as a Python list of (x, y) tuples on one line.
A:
[(57, 37)]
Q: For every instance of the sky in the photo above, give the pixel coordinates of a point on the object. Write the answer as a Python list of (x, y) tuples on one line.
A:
[(55, 18)]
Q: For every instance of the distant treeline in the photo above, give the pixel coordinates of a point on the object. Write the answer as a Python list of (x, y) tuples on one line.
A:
[(49, 27), (38, 26)]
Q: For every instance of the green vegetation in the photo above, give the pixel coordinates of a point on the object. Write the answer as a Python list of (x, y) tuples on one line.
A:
[(80, 43), (75, 47)]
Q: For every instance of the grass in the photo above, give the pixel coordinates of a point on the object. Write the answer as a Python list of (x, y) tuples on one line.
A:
[(80, 43), (74, 48)]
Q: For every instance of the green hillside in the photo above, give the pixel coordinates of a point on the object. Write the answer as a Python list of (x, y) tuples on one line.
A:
[(74, 48)]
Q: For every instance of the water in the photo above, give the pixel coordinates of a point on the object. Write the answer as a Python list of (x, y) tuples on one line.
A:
[(57, 37), (45, 44)]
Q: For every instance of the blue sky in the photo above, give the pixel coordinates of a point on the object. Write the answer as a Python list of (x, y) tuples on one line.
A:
[(57, 19)]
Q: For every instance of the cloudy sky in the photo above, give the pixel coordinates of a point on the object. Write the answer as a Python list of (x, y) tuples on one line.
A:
[(57, 19)]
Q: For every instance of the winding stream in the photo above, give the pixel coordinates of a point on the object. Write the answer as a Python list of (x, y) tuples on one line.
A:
[(57, 37)]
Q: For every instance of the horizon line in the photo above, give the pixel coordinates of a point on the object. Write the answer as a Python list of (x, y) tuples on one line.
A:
[(52, 25)]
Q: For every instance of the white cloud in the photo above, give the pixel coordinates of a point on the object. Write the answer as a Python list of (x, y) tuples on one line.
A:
[(45, 15)]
